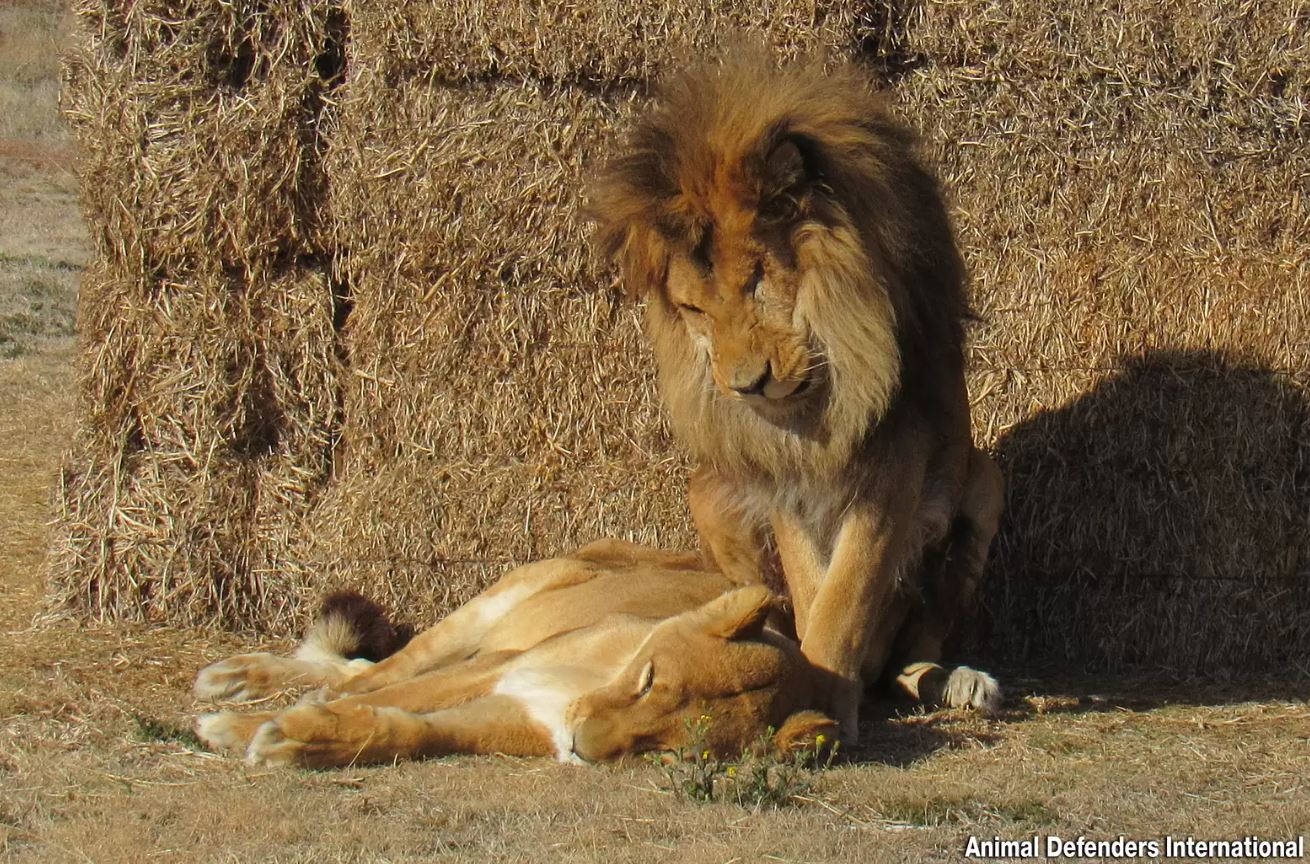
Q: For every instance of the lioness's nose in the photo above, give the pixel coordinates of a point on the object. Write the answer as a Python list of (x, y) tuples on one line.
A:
[(742, 382)]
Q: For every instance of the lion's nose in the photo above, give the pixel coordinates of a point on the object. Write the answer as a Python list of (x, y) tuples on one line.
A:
[(744, 384)]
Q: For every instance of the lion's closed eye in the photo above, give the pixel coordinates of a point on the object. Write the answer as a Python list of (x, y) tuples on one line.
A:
[(753, 284)]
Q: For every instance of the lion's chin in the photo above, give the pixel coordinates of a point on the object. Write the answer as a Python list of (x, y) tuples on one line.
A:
[(780, 391), (782, 401)]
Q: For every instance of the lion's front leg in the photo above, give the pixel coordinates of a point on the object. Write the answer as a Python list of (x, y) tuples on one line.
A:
[(962, 687), (804, 565), (352, 732), (858, 606), (732, 538)]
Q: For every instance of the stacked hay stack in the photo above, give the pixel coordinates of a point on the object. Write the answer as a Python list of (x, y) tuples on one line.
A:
[(500, 406), (1132, 187), (208, 386), (1130, 184)]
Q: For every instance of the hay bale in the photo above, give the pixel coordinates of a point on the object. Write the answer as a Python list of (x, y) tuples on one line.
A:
[(1130, 189), (1224, 50), (1139, 224), (453, 528), (208, 411), (1154, 514), (201, 129), (603, 43), (1136, 258), (473, 289), (209, 372), (155, 540), (500, 406)]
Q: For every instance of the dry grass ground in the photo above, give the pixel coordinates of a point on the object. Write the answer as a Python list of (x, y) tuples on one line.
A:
[(44, 243), (95, 764)]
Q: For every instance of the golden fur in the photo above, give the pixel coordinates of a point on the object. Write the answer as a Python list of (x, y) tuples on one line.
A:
[(805, 299), (590, 657)]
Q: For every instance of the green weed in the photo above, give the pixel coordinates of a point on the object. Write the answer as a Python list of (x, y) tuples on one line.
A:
[(763, 777)]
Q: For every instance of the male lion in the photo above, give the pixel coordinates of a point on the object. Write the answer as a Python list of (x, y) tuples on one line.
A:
[(805, 300), (589, 657)]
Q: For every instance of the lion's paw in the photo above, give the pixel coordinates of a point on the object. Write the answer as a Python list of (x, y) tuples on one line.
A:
[(243, 678), (971, 688)]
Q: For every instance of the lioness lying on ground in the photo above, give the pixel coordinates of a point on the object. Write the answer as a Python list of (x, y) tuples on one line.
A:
[(602, 653)]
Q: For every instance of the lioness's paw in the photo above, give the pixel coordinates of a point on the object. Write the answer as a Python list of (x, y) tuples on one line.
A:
[(971, 688), (236, 679), (271, 746), (313, 736), (227, 730)]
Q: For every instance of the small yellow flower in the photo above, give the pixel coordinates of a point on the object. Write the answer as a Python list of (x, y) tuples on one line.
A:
[(732, 770), (705, 754), (821, 740)]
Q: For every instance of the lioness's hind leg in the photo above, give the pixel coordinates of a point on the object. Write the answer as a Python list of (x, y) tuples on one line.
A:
[(962, 687)]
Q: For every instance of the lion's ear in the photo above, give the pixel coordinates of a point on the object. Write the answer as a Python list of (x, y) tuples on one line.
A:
[(784, 167), (739, 614), (785, 176), (619, 204), (644, 259)]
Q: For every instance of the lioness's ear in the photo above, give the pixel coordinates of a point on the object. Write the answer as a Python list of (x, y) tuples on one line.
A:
[(739, 614)]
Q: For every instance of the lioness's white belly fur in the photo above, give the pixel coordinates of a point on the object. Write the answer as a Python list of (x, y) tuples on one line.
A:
[(546, 694), (573, 664)]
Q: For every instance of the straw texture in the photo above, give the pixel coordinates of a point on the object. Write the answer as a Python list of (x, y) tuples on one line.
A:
[(412, 372)]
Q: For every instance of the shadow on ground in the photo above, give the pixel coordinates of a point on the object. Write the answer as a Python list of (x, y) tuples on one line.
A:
[(1155, 551)]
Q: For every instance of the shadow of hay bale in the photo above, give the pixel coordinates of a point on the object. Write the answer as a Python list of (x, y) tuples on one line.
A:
[(1161, 518)]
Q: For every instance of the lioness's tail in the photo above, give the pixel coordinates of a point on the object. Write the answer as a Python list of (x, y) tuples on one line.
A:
[(350, 633), (350, 626)]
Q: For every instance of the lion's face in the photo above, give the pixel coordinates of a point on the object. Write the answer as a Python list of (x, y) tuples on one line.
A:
[(710, 662), (792, 253), (736, 292)]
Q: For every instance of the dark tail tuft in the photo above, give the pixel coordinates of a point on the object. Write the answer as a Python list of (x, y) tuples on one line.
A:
[(378, 637)]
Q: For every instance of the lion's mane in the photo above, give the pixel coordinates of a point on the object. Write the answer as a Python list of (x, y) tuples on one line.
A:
[(883, 284)]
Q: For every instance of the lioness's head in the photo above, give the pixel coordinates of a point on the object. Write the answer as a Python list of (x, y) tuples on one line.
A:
[(787, 241), (716, 661)]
